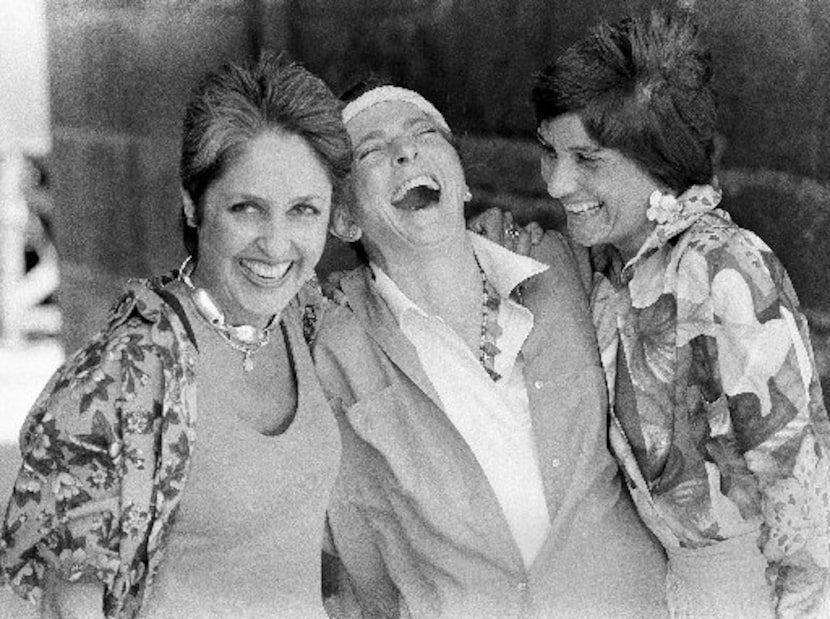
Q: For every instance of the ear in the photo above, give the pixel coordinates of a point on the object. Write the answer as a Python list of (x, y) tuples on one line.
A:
[(189, 209), (343, 226)]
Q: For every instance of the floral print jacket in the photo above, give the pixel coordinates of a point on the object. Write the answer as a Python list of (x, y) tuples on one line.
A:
[(106, 450), (719, 426)]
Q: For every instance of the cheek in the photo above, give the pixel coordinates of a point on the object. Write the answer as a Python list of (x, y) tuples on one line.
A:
[(219, 237), (311, 239), (364, 194), (545, 168)]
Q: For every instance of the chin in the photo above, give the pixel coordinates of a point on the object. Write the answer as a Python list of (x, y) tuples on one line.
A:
[(583, 238)]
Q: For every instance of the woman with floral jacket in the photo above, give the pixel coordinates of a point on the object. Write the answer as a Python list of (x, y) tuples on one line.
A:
[(127, 504), (717, 417)]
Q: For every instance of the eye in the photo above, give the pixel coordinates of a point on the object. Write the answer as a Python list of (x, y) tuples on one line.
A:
[(587, 159), (424, 130), (245, 206), (304, 209), (367, 151), (547, 149)]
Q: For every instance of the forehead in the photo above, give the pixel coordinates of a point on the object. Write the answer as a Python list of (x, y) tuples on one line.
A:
[(276, 157), (566, 132), (383, 118)]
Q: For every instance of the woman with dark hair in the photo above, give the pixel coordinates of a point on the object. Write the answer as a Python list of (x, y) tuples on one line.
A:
[(717, 413), (127, 503)]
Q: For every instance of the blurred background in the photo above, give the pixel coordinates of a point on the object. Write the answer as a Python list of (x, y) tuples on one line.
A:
[(92, 92)]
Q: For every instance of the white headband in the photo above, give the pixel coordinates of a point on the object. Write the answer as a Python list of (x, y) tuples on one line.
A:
[(393, 93)]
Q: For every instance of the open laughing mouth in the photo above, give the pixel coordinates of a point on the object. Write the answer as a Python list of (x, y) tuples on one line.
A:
[(266, 272), (417, 193)]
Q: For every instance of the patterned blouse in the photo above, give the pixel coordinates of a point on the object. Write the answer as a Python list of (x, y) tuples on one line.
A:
[(719, 421), (106, 451)]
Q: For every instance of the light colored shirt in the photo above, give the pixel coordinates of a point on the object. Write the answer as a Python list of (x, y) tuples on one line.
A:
[(414, 520), (245, 542), (493, 417)]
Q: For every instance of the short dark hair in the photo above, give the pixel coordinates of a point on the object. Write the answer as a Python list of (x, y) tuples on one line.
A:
[(642, 86), (236, 103)]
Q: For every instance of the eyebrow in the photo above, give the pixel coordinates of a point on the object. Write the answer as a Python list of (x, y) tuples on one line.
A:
[(589, 148), (542, 140), (250, 197), (372, 135)]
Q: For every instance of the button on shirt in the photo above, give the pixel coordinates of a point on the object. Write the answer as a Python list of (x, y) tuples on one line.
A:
[(493, 417)]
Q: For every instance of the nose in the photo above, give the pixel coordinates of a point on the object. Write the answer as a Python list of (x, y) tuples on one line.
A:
[(559, 175), (273, 237), (405, 151)]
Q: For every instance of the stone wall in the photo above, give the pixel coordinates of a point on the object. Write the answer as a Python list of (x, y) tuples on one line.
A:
[(120, 74), (475, 59), (121, 70)]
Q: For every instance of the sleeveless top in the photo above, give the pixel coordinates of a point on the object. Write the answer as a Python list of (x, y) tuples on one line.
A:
[(248, 535)]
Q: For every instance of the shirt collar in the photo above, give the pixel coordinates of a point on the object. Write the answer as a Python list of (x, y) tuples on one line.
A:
[(504, 270), (673, 216)]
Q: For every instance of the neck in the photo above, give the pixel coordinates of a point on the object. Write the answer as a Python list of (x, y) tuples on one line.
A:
[(629, 247), (444, 281)]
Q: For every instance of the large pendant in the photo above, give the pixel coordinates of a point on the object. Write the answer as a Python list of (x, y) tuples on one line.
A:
[(247, 362)]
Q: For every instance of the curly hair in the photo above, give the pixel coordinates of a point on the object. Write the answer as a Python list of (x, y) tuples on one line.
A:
[(236, 103), (642, 86)]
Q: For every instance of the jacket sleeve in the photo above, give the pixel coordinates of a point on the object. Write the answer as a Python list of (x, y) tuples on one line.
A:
[(777, 414), (90, 429), (360, 585)]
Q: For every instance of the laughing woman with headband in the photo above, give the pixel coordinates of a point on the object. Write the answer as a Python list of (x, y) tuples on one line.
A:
[(476, 480), (128, 503)]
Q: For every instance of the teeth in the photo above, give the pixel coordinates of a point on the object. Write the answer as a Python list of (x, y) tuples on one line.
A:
[(581, 207), (418, 181), (265, 270)]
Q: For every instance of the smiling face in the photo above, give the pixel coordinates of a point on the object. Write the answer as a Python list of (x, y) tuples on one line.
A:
[(263, 227), (408, 182), (604, 193)]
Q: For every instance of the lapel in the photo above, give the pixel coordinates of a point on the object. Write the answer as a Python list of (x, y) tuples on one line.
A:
[(558, 352), (379, 323), (482, 513)]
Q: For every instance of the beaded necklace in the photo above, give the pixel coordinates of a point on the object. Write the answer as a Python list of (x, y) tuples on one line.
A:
[(490, 329), (246, 339)]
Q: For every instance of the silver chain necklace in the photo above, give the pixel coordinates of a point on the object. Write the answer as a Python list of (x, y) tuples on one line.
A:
[(246, 339)]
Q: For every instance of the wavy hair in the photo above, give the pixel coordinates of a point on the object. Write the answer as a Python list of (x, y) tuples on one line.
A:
[(642, 86)]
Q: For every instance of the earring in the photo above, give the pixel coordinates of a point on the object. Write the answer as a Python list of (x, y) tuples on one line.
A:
[(468, 196), (352, 233)]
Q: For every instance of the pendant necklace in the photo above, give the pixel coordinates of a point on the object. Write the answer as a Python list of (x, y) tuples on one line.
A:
[(246, 339)]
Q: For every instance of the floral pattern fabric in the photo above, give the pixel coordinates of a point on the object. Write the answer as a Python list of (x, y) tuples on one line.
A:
[(719, 423), (106, 450)]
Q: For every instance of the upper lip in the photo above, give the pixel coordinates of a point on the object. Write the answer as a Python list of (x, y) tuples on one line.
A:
[(422, 180)]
